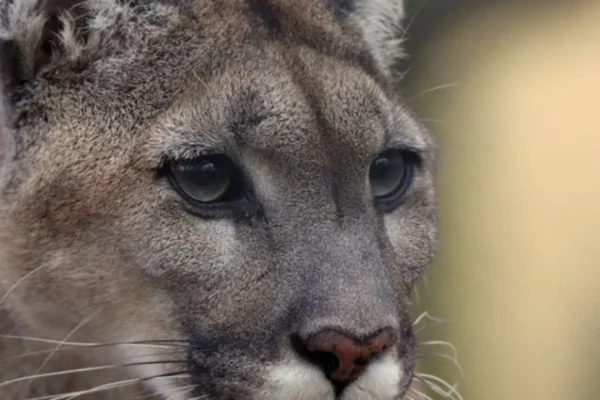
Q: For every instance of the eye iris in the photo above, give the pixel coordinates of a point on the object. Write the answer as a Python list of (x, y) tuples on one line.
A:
[(387, 174), (203, 180)]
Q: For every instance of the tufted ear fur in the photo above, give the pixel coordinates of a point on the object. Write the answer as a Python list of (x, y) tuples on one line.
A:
[(36, 35), (381, 25), (31, 32)]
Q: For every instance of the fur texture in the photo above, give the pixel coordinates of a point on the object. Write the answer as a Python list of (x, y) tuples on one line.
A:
[(112, 285)]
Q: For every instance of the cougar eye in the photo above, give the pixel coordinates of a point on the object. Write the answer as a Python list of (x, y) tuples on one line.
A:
[(206, 179), (390, 176)]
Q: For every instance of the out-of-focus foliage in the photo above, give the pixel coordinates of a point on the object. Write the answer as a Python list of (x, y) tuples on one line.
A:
[(510, 89)]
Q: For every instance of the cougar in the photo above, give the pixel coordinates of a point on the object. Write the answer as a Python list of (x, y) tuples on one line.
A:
[(209, 199)]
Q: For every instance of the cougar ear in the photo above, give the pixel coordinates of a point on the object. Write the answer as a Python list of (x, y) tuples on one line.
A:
[(30, 34), (381, 23)]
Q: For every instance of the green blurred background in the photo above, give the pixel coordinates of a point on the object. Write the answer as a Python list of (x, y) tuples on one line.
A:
[(511, 91)]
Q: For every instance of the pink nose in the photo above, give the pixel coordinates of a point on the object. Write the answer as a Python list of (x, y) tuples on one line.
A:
[(343, 358)]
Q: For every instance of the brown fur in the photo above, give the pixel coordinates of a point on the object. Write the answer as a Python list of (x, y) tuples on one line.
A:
[(95, 245)]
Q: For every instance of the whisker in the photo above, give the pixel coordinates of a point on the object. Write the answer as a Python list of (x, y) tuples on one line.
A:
[(87, 369), (69, 348), (420, 394), (444, 357), (435, 89), (401, 76), (83, 392), (441, 343), (199, 397), (406, 28), (146, 396), (170, 353), (51, 374), (107, 386), (420, 57), (433, 382), (141, 343), (17, 283), (200, 79), (432, 324), (426, 316), (47, 359), (183, 390), (420, 318), (101, 388)]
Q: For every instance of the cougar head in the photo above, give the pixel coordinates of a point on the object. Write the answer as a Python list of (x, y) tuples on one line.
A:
[(238, 181)]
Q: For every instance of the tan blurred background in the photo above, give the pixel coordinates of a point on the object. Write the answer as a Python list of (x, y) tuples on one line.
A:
[(511, 90)]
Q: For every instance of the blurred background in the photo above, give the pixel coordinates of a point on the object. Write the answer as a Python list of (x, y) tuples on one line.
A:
[(511, 92)]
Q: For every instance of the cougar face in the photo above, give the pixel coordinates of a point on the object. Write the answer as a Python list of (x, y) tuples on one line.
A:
[(231, 189)]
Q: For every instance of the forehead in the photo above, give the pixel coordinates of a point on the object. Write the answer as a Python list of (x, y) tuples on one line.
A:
[(286, 72), (278, 101)]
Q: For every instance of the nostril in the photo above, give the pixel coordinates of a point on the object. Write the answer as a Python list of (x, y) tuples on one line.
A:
[(361, 362), (341, 356), (328, 361)]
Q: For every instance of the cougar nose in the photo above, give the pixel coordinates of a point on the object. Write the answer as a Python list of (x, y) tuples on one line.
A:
[(343, 357)]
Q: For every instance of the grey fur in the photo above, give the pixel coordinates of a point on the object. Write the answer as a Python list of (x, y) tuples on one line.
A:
[(90, 231)]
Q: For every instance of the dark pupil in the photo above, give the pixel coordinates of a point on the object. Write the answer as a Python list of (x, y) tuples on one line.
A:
[(382, 169), (204, 174)]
